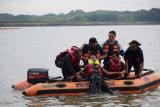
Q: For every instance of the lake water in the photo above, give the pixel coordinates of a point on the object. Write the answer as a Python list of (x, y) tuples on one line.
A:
[(37, 47)]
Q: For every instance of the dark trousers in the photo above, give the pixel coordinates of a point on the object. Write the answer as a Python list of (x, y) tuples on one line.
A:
[(60, 64), (136, 67), (65, 70), (105, 87), (100, 85)]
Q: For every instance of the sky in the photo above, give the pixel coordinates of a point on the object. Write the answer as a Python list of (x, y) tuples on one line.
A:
[(42, 7)]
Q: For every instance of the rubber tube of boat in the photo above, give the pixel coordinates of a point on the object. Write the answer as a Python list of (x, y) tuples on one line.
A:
[(22, 85)]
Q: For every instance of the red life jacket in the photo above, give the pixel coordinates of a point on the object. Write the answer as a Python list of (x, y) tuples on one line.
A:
[(74, 48), (90, 70), (74, 61), (114, 66), (89, 52)]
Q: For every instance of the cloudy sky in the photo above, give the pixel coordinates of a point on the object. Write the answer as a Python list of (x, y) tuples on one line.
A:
[(41, 7)]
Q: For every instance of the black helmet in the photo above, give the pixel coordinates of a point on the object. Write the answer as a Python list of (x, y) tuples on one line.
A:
[(135, 42), (93, 40)]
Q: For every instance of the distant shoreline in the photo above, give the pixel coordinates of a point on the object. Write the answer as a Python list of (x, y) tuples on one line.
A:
[(82, 18), (23, 24)]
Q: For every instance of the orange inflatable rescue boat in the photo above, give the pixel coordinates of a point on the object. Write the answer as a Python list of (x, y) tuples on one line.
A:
[(37, 83)]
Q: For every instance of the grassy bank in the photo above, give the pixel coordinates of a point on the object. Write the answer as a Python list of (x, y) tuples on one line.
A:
[(23, 24)]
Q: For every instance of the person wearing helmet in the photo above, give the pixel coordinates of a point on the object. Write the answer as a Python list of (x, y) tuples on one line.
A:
[(92, 48), (134, 57)]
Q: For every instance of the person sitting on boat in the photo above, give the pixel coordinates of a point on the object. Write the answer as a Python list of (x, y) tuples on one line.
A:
[(93, 48), (111, 45), (94, 73), (115, 67), (134, 57), (68, 61)]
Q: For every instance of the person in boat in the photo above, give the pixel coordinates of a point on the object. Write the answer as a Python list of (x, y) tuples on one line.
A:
[(111, 45), (92, 48), (68, 61), (134, 57), (93, 72), (115, 68)]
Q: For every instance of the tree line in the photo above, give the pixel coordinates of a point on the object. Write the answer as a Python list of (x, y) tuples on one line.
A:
[(75, 16)]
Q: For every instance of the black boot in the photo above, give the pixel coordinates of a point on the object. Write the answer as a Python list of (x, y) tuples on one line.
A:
[(92, 88), (106, 88)]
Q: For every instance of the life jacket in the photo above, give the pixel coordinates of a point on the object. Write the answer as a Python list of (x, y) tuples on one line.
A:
[(110, 48), (74, 61), (89, 52), (90, 70), (74, 48), (114, 66)]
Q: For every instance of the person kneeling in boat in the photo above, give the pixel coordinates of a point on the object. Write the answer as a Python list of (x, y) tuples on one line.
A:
[(94, 73), (134, 57), (68, 61), (92, 48), (115, 67)]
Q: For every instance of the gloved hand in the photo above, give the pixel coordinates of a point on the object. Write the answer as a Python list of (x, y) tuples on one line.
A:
[(70, 78), (78, 76)]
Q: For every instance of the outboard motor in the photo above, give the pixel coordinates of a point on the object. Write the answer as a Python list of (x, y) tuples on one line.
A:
[(37, 75)]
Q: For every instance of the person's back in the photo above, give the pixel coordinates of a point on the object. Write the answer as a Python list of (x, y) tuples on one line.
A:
[(68, 61), (111, 45)]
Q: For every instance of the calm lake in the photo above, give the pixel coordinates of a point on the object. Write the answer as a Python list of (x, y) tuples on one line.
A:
[(37, 47)]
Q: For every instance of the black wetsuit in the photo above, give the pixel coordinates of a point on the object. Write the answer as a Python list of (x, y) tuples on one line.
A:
[(134, 59), (67, 67)]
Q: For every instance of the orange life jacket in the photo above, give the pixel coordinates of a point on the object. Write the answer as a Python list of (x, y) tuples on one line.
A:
[(90, 70), (107, 47), (114, 66), (74, 61)]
